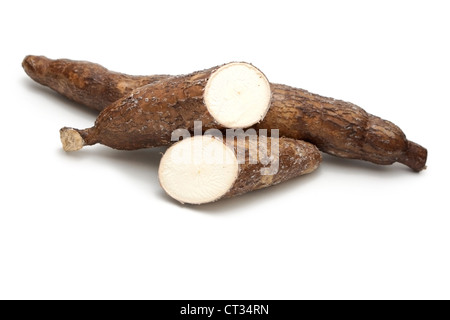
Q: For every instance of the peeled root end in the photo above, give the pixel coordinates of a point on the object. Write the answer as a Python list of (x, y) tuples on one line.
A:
[(71, 139)]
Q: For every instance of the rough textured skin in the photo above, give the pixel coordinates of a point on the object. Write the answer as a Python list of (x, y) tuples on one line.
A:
[(148, 116), (336, 127), (87, 83), (340, 128), (295, 158)]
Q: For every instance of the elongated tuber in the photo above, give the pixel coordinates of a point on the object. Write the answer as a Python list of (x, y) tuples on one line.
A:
[(336, 127), (231, 96), (85, 82), (340, 128), (148, 117), (204, 169)]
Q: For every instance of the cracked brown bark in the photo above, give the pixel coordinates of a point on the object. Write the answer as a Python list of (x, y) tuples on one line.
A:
[(340, 128), (148, 116), (295, 158), (85, 82), (337, 127)]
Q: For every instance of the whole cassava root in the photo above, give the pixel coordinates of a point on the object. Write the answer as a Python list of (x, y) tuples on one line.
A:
[(234, 95), (204, 169), (336, 127), (85, 82), (340, 128)]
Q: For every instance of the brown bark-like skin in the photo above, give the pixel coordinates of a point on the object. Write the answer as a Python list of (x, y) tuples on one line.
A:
[(148, 116), (85, 82), (295, 158), (336, 127), (340, 128)]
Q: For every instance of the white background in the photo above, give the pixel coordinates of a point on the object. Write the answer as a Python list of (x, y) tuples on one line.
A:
[(95, 224)]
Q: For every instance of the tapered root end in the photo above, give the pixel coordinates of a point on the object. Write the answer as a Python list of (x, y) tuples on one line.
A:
[(198, 170), (415, 157), (28, 64), (71, 139), (34, 65)]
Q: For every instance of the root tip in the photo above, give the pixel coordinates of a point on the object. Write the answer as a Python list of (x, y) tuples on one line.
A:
[(71, 139), (29, 64), (35, 66), (415, 157)]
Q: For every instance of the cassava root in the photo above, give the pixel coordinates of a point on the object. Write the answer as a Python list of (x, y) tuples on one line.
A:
[(234, 95), (340, 128), (84, 82), (336, 127), (204, 169)]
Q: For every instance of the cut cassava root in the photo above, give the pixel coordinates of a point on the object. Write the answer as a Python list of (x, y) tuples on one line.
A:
[(237, 95), (231, 96), (204, 169), (336, 127)]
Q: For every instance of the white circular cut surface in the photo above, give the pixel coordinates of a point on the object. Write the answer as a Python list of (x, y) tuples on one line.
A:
[(198, 170), (237, 95)]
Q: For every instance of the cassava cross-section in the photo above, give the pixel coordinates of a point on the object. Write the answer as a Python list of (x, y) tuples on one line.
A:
[(204, 169)]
